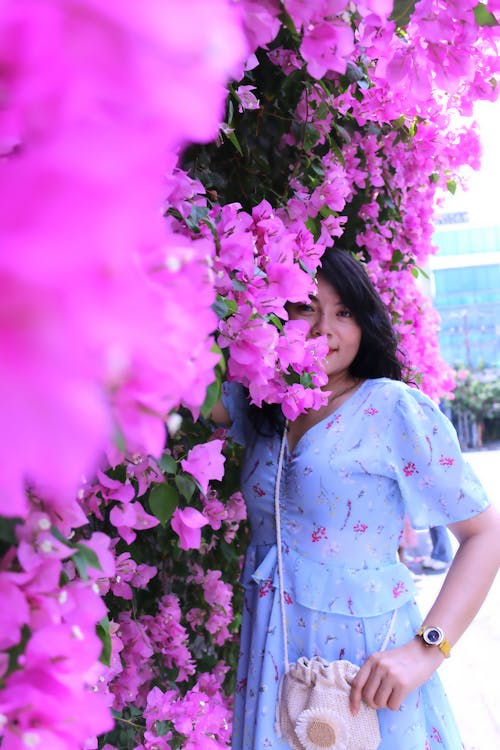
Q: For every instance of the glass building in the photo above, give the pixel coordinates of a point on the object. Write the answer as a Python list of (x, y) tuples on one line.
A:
[(465, 278)]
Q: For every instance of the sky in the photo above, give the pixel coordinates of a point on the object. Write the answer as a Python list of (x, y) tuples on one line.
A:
[(482, 199)]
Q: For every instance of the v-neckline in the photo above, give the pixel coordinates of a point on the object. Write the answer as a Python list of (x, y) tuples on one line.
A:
[(291, 452)]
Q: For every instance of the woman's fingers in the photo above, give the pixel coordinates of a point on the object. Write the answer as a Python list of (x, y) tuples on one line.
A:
[(373, 684), (357, 687), (387, 677)]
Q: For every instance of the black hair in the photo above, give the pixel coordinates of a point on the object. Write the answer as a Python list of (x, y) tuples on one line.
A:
[(378, 355)]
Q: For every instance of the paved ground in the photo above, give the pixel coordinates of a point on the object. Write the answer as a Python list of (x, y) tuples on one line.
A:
[(472, 675)]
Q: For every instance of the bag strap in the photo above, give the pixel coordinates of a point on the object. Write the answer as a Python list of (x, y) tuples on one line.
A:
[(277, 513)]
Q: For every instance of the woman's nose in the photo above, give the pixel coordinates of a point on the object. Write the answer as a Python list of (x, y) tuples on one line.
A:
[(322, 326)]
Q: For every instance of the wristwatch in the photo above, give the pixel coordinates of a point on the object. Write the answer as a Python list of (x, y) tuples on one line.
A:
[(434, 636)]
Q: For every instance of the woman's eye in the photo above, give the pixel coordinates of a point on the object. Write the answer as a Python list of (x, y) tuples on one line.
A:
[(304, 308), (345, 313)]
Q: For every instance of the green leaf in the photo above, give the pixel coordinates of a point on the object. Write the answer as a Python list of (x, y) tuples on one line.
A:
[(314, 226), (220, 308), (168, 463), (163, 500), (8, 529), (220, 367), (317, 168), (422, 272), (452, 186), (16, 651), (354, 73), (306, 269), (198, 213), (162, 727), (397, 257), (399, 123), (322, 111), (223, 307), (102, 630), (60, 537), (85, 558), (229, 134), (338, 152), (213, 395), (402, 11), (232, 307), (238, 286), (326, 211), (483, 16), (230, 111), (287, 21), (413, 127), (272, 318), (311, 137), (213, 230), (343, 134), (185, 485), (306, 379)]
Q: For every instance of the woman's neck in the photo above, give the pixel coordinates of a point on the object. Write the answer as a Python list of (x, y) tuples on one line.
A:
[(338, 387)]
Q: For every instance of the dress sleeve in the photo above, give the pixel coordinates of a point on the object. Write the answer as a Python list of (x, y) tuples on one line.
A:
[(236, 404), (438, 486)]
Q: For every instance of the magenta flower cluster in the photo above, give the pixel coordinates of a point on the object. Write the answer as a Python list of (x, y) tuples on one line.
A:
[(117, 273)]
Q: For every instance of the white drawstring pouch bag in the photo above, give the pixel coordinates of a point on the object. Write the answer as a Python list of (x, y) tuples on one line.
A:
[(313, 708)]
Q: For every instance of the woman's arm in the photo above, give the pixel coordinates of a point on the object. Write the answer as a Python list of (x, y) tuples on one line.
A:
[(470, 575), (387, 677), (220, 415)]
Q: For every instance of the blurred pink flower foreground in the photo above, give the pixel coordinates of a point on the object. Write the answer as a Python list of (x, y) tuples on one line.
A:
[(96, 99)]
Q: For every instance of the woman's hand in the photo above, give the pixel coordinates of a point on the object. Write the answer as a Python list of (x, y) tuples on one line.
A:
[(387, 677)]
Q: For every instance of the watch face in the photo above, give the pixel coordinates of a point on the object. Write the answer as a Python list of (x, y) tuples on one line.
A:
[(433, 636)]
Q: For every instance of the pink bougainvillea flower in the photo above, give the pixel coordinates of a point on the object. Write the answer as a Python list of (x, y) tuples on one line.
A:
[(187, 524), (236, 509), (305, 14), (247, 99), (214, 510), (409, 67), (13, 614), (205, 462), (327, 46), (101, 544), (381, 8), (130, 517), (291, 345), (43, 709), (251, 344), (287, 60), (261, 21)]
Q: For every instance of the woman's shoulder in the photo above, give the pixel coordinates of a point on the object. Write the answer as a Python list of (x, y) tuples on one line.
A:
[(387, 390), (398, 391), (395, 396)]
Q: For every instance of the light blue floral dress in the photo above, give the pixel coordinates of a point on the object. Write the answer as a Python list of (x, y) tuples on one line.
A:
[(344, 493)]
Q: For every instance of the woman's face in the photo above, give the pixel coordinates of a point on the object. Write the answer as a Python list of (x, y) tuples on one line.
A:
[(327, 316)]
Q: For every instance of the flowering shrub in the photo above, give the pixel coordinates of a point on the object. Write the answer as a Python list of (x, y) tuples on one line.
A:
[(340, 124)]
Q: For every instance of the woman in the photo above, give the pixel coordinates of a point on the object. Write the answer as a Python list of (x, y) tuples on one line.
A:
[(352, 470)]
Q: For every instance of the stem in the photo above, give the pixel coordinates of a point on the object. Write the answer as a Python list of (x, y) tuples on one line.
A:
[(131, 724)]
